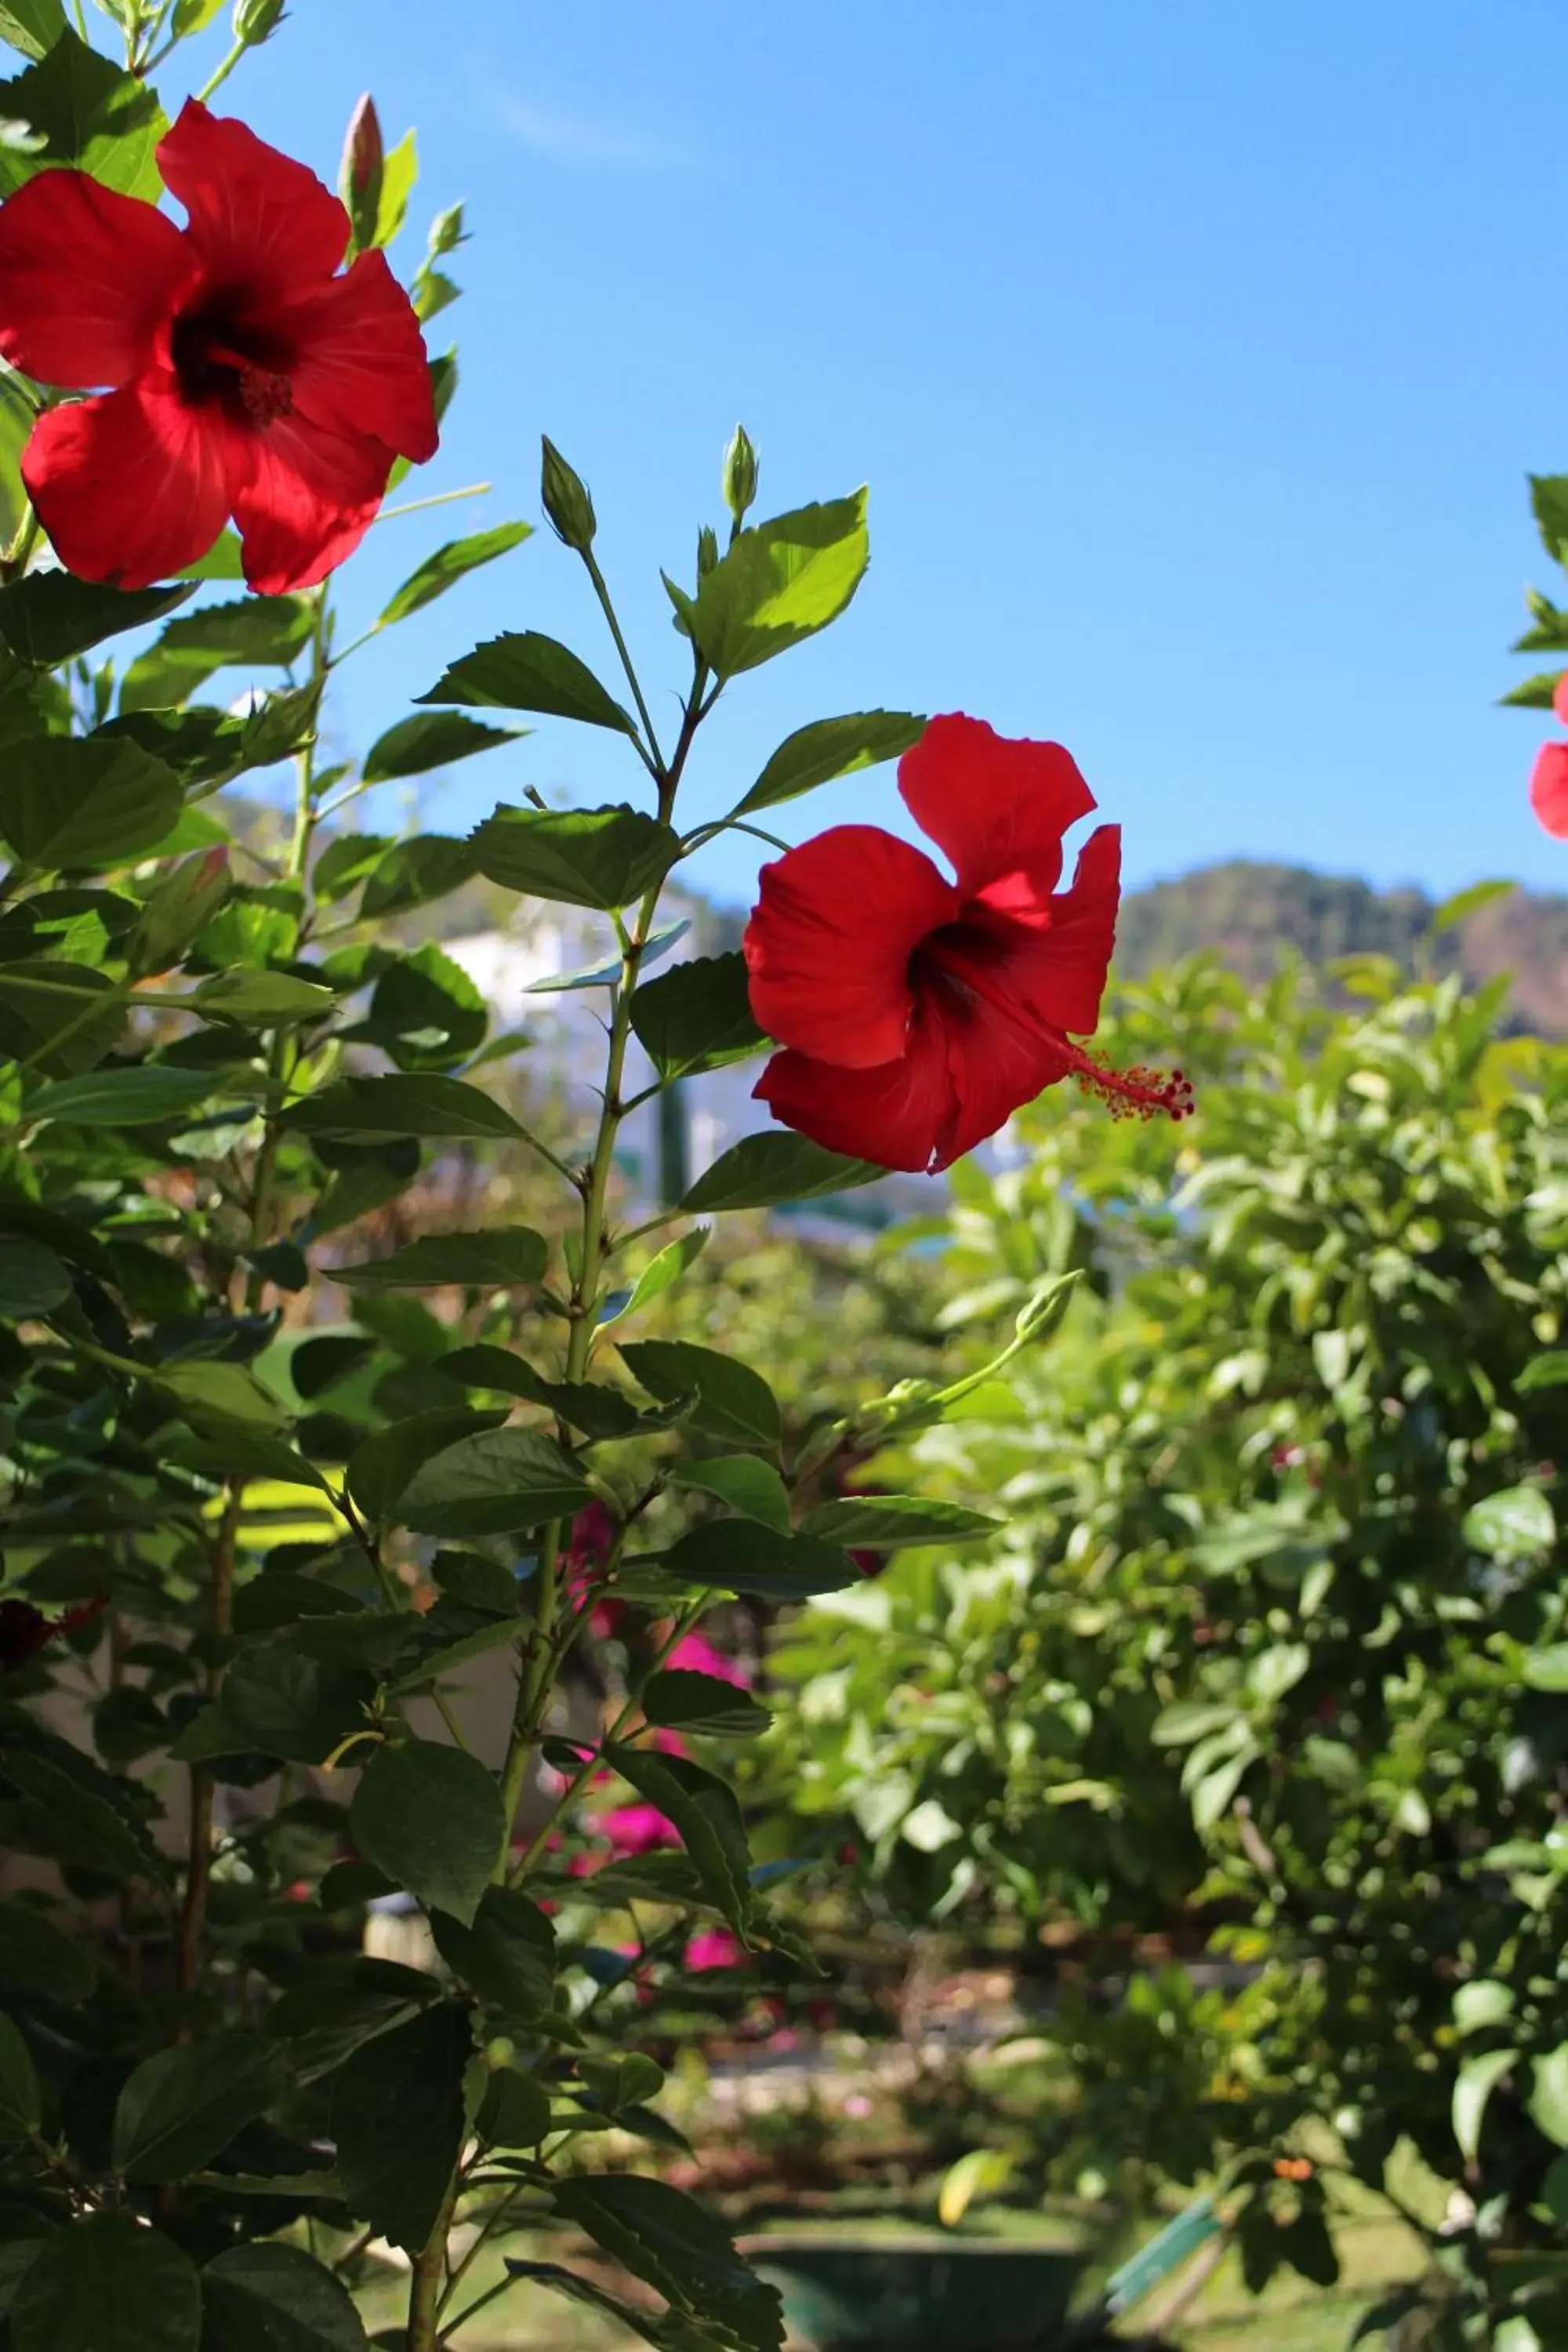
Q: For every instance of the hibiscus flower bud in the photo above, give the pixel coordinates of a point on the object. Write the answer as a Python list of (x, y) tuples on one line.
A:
[(255, 21), (566, 500), (359, 173), (707, 550), (177, 910), (740, 473)]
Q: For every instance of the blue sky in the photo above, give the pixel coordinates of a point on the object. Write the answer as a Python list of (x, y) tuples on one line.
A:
[(1195, 355)]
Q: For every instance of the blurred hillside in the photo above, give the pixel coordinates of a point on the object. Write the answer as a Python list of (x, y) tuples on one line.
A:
[(1248, 913)]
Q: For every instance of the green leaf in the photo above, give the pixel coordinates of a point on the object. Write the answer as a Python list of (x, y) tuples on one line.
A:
[(514, 2111), (730, 1399), (761, 1171), (1549, 504), (32, 25), (1482, 2002), (108, 2284), (749, 1487), (1457, 911), (706, 1813), (87, 113), (888, 1522), (1548, 2101), (1477, 2079), (378, 1110), (448, 565), (432, 1818), (780, 581), (741, 1556), (506, 1954), (499, 1481), (1546, 1669), (52, 617), (262, 1000), (257, 633), (1533, 693), (211, 1393), (62, 1015), (37, 1955), (680, 1700), (180, 2109), (829, 747), (509, 1258), (397, 2118), (279, 1702), (32, 1280), (667, 2239), (604, 857), (274, 2298), (665, 1270), (1516, 1524), (382, 1467), (589, 1405), (1549, 1370), (413, 873), (431, 739), (400, 170), (147, 1095), (521, 671), (426, 1013), (696, 1017), (66, 800), (21, 2101)]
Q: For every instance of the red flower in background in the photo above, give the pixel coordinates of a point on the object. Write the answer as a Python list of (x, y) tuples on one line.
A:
[(916, 1014), (247, 378), (24, 1631), (1549, 781)]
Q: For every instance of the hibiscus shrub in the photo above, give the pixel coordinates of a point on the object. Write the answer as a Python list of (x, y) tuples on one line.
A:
[(1268, 1665), (264, 1505)]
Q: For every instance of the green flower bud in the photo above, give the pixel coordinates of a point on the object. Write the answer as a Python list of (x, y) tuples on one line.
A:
[(566, 500), (177, 910), (359, 173), (740, 473), (707, 550), (255, 21)]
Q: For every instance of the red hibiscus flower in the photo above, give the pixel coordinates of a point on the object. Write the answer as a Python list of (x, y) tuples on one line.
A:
[(247, 378), (1549, 783), (916, 1014), (24, 1631)]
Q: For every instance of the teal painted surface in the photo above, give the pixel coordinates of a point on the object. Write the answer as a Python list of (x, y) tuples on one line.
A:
[(900, 2296)]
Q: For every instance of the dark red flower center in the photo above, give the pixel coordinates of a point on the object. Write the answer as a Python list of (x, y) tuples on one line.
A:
[(962, 966), (223, 357)]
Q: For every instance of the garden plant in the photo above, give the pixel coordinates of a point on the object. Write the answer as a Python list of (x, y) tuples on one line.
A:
[(269, 1490)]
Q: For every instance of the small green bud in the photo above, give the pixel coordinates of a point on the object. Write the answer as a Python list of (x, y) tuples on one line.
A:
[(359, 173), (707, 551), (1041, 1313), (177, 910), (740, 473), (255, 21), (566, 500)]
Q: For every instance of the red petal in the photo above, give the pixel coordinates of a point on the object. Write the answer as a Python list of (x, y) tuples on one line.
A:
[(85, 275), (998, 808), (1560, 697), (828, 946), (1548, 789), (999, 1064), (310, 500), (362, 365), (132, 487), (253, 211), (897, 1115), (1057, 964)]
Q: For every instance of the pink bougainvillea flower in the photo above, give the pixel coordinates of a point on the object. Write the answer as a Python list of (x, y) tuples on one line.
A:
[(1548, 789), (714, 1947), (245, 376), (916, 1014), (695, 1654), (637, 1829)]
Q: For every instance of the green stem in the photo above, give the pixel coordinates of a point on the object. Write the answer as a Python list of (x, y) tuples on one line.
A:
[(653, 758), (24, 540), (436, 499), (217, 78), (425, 2290), (680, 1628), (487, 2228)]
